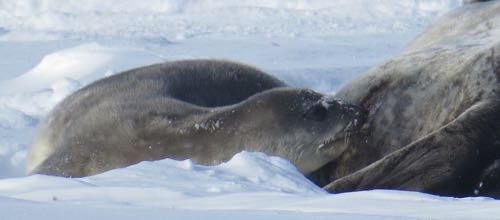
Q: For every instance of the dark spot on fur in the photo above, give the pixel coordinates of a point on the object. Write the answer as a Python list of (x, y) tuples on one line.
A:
[(458, 82)]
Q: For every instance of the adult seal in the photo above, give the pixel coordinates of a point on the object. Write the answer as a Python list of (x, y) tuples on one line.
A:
[(433, 113), (203, 110)]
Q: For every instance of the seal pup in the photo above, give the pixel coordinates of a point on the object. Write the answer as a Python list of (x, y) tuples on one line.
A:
[(203, 110), (433, 112)]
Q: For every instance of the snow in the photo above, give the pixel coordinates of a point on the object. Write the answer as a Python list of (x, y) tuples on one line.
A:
[(250, 185), (51, 48), (178, 20)]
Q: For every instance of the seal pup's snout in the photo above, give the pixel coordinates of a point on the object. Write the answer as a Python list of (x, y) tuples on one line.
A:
[(342, 120), (354, 114)]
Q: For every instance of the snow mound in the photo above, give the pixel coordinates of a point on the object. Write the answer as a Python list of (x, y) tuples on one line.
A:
[(83, 63), (250, 185), (246, 172)]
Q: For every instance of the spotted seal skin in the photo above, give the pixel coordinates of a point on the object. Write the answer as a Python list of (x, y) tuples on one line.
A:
[(203, 110), (434, 113)]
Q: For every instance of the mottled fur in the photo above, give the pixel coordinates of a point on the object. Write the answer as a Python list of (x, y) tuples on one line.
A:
[(434, 113)]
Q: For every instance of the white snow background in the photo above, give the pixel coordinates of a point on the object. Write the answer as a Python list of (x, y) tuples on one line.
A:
[(50, 48)]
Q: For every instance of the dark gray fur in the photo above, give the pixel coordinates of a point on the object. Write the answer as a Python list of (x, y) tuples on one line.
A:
[(203, 110)]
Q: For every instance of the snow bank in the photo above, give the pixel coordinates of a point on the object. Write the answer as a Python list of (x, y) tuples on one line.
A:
[(249, 185), (81, 64), (245, 172)]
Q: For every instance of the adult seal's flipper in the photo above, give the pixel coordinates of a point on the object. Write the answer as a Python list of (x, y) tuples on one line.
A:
[(445, 162)]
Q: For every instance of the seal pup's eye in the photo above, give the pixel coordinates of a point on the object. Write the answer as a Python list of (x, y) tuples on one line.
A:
[(316, 112)]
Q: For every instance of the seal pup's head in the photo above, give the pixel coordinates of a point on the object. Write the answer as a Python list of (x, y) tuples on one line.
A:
[(306, 127)]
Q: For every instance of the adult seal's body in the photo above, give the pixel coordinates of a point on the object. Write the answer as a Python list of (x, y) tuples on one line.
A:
[(203, 110), (434, 113)]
